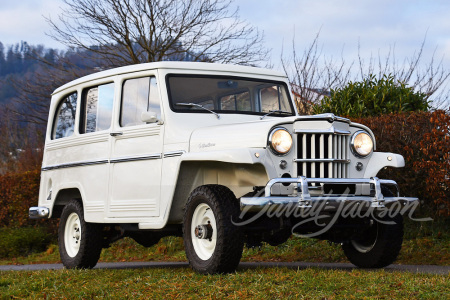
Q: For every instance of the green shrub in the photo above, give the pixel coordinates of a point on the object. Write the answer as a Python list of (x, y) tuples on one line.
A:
[(23, 241), (373, 97)]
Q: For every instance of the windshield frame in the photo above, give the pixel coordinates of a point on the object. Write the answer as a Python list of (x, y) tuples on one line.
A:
[(175, 109)]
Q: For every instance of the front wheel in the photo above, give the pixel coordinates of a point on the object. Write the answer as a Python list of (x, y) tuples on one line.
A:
[(213, 244), (378, 246), (80, 243)]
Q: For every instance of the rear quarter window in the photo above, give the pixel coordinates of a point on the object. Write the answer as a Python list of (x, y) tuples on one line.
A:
[(64, 123)]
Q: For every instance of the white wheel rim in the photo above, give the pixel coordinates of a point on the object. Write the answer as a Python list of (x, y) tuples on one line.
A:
[(204, 248), (72, 235)]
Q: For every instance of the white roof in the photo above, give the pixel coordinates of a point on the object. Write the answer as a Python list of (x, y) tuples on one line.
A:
[(181, 65)]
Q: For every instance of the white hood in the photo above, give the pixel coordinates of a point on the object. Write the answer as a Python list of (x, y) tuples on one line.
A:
[(231, 136)]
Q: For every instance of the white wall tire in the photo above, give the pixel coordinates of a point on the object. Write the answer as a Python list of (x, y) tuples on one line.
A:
[(212, 242), (80, 243)]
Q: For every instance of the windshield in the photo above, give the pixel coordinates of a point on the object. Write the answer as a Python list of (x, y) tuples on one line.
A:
[(228, 95)]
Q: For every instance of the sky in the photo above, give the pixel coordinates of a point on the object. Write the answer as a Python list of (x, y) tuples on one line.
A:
[(376, 25)]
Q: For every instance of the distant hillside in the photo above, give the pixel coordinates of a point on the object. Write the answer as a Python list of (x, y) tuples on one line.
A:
[(18, 61), (48, 68)]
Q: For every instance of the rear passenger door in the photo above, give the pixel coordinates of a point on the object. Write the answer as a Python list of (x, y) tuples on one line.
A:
[(136, 150), (91, 148)]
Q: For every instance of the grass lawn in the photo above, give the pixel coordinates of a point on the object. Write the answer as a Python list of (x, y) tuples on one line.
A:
[(424, 250), (272, 283), (424, 243)]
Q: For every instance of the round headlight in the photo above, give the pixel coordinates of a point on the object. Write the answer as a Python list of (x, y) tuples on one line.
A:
[(362, 143), (280, 140)]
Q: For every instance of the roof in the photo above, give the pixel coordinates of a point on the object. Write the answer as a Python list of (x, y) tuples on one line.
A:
[(198, 66)]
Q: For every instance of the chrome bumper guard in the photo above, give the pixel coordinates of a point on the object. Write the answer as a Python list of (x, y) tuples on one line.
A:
[(38, 212), (304, 199)]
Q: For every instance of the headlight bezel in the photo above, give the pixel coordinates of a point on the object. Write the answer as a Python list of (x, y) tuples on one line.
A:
[(270, 141), (353, 147)]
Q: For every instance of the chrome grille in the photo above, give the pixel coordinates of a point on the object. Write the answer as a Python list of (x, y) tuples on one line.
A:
[(322, 153)]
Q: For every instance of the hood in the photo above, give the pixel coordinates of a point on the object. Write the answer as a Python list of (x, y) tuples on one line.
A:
[(231, 136), (251, 134)]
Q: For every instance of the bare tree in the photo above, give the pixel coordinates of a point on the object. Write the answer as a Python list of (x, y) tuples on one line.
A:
[(312, 75), (124, 32), (430, 78), (34, 89)]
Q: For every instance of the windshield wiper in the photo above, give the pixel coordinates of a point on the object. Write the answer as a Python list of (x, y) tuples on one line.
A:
[(198, 105), (275, 111)]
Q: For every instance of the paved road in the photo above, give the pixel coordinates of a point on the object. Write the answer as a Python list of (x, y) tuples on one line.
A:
[(442, 270)]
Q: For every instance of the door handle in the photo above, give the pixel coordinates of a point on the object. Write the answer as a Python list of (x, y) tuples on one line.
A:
[(115, 133)]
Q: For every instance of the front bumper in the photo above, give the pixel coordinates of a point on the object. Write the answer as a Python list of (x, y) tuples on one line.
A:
[(38, 212), (304, 199)]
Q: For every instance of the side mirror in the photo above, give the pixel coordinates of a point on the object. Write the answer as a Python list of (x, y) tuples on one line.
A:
[(149, 117)]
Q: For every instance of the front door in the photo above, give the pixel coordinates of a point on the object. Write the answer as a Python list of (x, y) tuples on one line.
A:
[(135, 161)]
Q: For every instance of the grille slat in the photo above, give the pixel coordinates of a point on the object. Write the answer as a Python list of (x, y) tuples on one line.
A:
[(340, 156), (304, 139), (323, 155), (313, 155), (335, 142), (330, 155)]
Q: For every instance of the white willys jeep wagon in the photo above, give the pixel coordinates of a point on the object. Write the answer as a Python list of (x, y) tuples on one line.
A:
[(214, 153)]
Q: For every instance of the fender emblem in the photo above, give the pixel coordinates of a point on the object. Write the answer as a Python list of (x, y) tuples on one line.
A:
[(201, 145)]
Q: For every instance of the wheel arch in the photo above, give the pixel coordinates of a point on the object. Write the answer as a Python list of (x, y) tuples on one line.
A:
[(240, 178), (63, 197)]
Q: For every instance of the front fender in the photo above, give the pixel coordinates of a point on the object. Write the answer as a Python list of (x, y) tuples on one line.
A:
[(237, 156), (379, 160)]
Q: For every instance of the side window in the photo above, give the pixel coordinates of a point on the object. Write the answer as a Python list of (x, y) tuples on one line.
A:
[(139, 95), (239, 102), (65, 117), (97, 108)]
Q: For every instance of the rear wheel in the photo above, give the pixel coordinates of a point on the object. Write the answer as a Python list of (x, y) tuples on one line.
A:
[(80, 243), (213, 244)]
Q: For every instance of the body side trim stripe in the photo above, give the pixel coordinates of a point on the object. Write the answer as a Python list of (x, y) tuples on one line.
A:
[(174, 153), (114, 160), (125, 159), (76, 164)]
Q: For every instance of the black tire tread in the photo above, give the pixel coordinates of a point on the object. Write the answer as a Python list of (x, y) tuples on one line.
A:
[(388, 247), (386, 250), (230, 240), (91, 239)]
